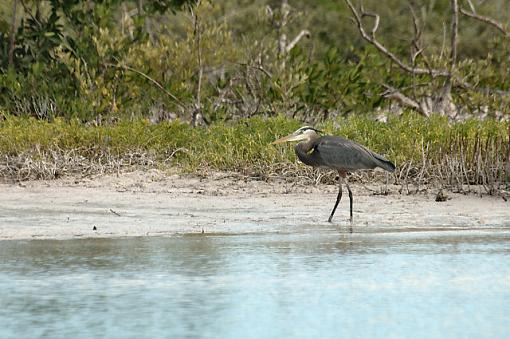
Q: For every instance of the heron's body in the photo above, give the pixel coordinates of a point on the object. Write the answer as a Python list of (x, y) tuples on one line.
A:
[(335, 153), (340, 154)]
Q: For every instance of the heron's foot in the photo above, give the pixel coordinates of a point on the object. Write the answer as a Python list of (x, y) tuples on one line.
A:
[(330, 218)]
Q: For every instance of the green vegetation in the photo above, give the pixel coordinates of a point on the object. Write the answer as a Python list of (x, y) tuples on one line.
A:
[(426, 150), (97, 86), (97, 60)]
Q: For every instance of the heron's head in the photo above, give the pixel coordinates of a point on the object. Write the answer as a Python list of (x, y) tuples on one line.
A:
[(303, 133)]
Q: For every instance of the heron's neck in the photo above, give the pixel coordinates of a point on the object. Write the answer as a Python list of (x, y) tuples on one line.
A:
[(303, 151)]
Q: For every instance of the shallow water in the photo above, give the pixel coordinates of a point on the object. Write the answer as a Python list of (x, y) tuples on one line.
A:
[(315, 282)]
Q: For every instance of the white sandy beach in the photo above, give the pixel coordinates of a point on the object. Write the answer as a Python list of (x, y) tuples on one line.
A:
[(152, 203)]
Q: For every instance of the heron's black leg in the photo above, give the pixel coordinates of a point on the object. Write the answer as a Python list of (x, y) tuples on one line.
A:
[(337, 200), (350, 197)]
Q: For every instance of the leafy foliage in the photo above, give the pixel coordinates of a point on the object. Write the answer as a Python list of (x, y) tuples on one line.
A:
[(97, 60)]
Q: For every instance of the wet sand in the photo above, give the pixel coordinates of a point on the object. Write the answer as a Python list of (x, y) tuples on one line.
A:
[(152, 203)]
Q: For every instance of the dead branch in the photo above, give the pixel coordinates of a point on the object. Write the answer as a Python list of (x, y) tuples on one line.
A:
[(498, 25), (416, 48), (443, 44), (257, 67), (284, 13), (376, 20), (280, 22), (196, 119), (293, 43), (156, 83), (471, 6), (372, 40), (394, 94), (455, 25)]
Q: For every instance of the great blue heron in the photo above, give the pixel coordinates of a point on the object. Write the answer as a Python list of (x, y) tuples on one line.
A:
[(336, 153)]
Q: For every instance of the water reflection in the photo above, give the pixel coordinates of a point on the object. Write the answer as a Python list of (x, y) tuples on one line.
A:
[(322, 284)]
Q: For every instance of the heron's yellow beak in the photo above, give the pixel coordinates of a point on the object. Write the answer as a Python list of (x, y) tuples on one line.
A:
[(291, 137)]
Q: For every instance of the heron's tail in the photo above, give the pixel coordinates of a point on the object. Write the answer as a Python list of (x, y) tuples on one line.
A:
[(384, 163)]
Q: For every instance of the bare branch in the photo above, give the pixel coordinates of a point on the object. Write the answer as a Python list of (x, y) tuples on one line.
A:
[(269, 12), (197, 30), (455, 25), (258, 67), (394, 94), (376, 21), (284, 13), (293, 43), (471, 6), (372, 40), (443, 44), (416, 26), (196, 116), (415, 55), (416, 48), (158, 85), (498, 25)]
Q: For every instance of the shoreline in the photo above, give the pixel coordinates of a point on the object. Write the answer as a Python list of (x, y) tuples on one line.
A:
[(152, 203)]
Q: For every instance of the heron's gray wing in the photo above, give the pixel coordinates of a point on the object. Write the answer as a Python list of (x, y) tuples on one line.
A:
[(339, 153)]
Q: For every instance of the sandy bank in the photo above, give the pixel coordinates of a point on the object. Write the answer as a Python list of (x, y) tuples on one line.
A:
[(151, 203)]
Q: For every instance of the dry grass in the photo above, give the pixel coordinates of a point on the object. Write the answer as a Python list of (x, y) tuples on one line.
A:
[(465, 157)]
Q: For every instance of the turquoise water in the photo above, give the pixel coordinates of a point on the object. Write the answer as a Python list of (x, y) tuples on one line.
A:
[(314, 284)]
